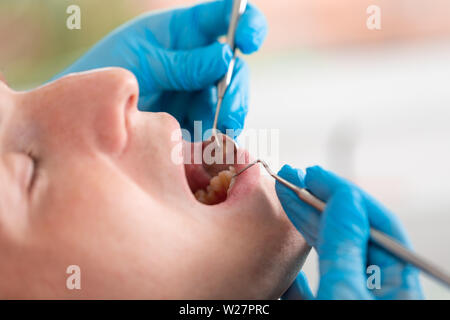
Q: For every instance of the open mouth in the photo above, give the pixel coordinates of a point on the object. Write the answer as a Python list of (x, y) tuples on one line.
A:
[(211, 183)]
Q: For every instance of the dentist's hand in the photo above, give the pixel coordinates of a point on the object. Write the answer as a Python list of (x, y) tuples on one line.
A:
[(340, 235), (177, 61)]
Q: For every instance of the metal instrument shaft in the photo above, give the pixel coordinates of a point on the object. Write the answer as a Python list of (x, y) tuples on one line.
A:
[(238, 10)]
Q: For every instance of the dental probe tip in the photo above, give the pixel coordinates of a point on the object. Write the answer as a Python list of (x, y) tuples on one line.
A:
[(246, 168)]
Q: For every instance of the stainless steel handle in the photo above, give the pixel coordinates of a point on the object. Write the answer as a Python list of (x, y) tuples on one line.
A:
[(238, 10)]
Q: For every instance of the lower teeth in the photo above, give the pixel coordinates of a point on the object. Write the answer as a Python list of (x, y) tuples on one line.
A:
[(218, 187)]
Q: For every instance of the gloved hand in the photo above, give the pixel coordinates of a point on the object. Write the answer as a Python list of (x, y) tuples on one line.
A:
[(340, 236), (177, 61)]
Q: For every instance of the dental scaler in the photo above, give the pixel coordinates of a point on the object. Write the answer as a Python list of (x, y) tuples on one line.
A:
[(377, 237), (238, 10)]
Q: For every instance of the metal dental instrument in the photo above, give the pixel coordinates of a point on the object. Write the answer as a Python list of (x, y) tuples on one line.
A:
[(377, 237), (238, 10)]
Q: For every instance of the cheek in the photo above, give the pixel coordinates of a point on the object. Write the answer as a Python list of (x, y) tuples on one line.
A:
[(13, 205), (91, 208), (152, 157)]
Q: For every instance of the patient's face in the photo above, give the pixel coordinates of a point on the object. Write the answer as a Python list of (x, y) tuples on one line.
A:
[(86, 179)]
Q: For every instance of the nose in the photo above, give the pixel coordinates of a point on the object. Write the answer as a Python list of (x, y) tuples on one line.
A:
[(115, 103), (92, 109)]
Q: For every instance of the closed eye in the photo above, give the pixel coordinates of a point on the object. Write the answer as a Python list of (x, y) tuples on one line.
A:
[(33, 176)]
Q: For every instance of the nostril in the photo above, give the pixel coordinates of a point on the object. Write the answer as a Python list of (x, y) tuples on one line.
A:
[(132, 94), (131, 104), (130, 109)]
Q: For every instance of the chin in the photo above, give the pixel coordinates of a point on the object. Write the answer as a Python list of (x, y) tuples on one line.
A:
[(253, 251), (277, 249)]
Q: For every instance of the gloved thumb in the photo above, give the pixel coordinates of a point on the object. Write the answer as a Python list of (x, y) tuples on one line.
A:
[(342, 247), (304, 217), (299, 290), (189, 70)]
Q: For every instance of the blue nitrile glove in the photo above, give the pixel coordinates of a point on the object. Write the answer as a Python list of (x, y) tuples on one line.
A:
[(177, 61), (340, 235)]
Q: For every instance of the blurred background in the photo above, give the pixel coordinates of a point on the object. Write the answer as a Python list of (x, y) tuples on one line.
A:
[(372, 105)]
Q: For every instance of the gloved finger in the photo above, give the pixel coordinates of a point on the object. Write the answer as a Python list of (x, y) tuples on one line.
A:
[(202, 107), (398, 280), (149, 102), (187, 70), (342, 247), (396, 275), (299, 290), (383, 220), (251, 31), (304, 217), (323, 184), (235, 102), (212, 19)]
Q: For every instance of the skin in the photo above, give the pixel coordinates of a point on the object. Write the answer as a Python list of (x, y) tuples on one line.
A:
[(104, 194)]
